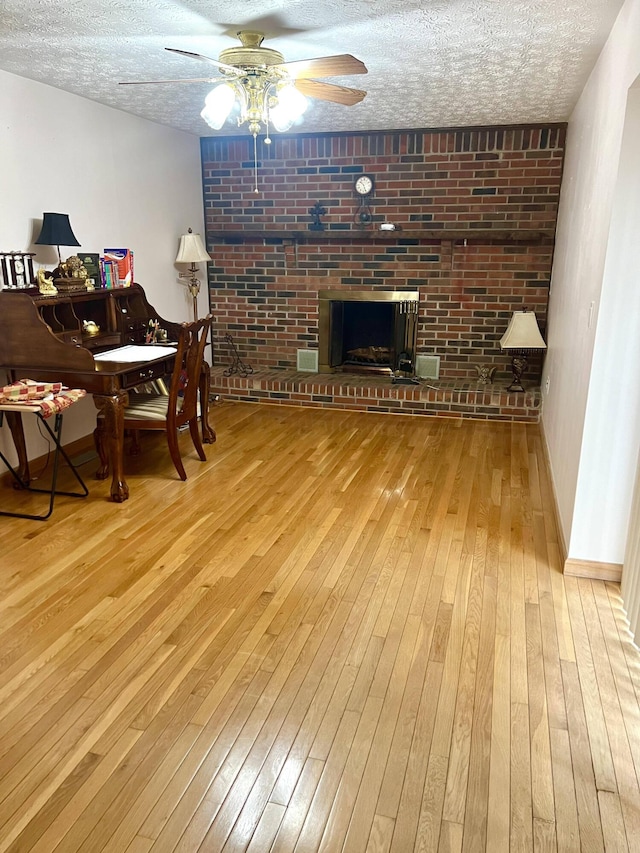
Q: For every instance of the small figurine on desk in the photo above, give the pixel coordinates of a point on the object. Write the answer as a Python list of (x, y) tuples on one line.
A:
[(71, 275), (45, 282), (154, 334), (90, 327), (152, 330), (75, 267)]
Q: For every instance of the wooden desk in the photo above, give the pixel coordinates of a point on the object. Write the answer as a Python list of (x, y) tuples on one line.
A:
[(29, 347)]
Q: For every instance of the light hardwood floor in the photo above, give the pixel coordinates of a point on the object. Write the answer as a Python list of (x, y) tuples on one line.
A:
[(344, 632)]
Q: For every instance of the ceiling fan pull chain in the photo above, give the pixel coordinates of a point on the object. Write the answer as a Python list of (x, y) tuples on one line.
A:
[(267, 138), (255, 162)]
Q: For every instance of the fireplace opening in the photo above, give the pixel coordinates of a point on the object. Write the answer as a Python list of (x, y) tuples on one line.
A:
[(368, 331), (363, 335)]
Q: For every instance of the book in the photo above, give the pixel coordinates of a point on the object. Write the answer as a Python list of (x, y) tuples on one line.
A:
[(91, 262), (109, 270), (123, 259)]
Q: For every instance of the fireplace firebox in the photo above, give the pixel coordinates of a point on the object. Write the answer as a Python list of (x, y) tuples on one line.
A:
[(362, 331)]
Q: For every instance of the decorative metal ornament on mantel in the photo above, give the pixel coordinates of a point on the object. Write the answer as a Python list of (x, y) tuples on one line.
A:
[(237, 364), (316, 212)]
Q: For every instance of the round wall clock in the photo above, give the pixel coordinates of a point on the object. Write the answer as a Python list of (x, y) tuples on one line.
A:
[(364, 185)]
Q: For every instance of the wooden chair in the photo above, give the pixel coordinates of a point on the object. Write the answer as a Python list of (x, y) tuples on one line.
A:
[(169, 412)]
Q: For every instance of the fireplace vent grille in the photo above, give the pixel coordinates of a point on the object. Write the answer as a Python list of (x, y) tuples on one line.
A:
[(428, 366), (307, 360)]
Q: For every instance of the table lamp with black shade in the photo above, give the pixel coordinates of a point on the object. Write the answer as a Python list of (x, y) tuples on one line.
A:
[(521, 339), (56, 231), (69, 275)]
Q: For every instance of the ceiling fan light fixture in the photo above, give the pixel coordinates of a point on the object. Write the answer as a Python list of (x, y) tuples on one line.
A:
[(257, 83), (261, 89), (290, 106), (218, 104)]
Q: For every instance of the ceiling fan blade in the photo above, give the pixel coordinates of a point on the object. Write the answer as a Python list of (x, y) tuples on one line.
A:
[(221, 65), (324, 66), (183, 80), (329, 92)]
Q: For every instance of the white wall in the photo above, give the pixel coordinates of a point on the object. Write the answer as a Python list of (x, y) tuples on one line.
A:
[(612, 422), (124, 181), (590, 426)]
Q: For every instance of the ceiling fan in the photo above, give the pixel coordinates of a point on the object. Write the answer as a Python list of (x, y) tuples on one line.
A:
[(263, 88)]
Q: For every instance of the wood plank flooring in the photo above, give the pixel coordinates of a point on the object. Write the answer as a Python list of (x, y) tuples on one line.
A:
[(344, 632)]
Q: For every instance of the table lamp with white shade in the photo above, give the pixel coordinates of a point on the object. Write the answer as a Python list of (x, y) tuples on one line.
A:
[(520, 340), (192, 251)]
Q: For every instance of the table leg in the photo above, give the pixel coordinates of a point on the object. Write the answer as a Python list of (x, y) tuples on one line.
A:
[(208, 434), (14, 422), (112, 408)]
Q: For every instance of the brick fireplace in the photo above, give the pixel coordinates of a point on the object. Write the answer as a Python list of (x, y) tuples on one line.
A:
[(474, 211)]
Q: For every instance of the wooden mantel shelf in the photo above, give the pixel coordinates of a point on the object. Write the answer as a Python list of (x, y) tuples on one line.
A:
[(527, 236)]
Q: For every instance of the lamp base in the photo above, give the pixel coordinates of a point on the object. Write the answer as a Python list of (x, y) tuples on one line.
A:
[(194, 290), (193, 285), (519, 364)]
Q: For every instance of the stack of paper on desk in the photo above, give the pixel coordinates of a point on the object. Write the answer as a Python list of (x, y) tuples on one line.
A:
[(131, 353)]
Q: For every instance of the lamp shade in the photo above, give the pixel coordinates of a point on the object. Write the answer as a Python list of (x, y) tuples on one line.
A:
[(191, 249), (56, 231), (218, 105), (522, 333), (290, 107)]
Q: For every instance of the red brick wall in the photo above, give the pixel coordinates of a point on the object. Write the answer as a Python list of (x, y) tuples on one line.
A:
[(264, 290)]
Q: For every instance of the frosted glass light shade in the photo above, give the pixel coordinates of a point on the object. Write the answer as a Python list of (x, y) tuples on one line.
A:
[(191, 250), (522, 333), (217, 105), (291, 105)]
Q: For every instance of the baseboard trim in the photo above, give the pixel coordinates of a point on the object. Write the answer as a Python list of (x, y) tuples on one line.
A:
[(556, 512), (593, 570)]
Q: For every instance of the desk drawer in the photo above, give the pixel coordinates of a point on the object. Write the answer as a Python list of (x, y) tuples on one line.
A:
[(101, 341), (147, 373)]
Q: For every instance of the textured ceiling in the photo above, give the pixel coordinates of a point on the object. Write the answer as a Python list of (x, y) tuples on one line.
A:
[(432, 63)]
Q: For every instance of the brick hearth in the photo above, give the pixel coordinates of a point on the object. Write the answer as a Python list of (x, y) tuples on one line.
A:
[(378, 394)]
